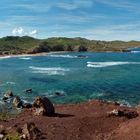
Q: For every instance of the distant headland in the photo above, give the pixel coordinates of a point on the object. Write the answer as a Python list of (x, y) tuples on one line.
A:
[(14, 45)]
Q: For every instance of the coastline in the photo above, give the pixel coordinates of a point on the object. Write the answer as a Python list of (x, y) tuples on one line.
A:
[(128, 49), (89, 120), (28, 55)]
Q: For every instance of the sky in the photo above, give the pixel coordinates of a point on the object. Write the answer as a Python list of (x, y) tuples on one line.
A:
[(91, 19)]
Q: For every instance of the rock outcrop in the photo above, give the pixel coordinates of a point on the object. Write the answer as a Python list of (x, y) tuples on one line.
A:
[(17, 102), (8, 94), (43, 106), (129, 113), (30, 132)]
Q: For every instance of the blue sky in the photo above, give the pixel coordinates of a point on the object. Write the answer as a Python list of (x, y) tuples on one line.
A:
[(92, 19)]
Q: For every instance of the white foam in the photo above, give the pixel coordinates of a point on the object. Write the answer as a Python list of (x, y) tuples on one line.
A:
[(11, 83), (124, 103), (108, 64), (7, 83), (25, 58), (49, 71), (5, 57), (135, 51), (65, 56)]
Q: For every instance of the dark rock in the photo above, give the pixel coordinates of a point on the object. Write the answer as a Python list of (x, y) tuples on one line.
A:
[(30, 132), (17, 102), (82, 56), (8, 94), (27, 105), (82, 49), (125, 50), (116, 103), (124, 112), (57, 93), (43, 106), (129, 113), (29, 90)]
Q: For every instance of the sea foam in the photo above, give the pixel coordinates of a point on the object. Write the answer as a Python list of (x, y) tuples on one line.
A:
[(25, 58), (5, 57), (108, 64), (65, 56), (135, 51), (49, 71)]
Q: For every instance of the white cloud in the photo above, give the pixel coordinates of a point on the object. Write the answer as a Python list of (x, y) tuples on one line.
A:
[(34, 32), (19, 31)]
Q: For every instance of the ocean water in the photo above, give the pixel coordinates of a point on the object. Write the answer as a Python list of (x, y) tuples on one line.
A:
[(107, 76)]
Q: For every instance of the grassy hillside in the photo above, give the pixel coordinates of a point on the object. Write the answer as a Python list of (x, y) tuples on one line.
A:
[(25, 44)]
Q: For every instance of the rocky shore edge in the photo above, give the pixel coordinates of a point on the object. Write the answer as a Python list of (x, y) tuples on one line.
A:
[(94, 119)]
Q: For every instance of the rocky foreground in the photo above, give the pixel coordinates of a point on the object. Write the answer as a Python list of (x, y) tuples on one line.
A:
[(92, 120)]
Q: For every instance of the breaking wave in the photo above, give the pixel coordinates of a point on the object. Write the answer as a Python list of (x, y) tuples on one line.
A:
[(25, 58), (5, 57), (108, 64), (49, 71), (65, 56), (135, 51)]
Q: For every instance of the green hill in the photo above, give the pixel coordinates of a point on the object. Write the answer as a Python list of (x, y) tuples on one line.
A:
[(25, 44)]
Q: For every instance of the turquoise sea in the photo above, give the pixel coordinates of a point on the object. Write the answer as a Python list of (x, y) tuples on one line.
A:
[(108, 76)]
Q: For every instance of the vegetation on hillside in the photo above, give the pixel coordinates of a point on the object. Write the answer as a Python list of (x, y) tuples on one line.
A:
[(25, 44)]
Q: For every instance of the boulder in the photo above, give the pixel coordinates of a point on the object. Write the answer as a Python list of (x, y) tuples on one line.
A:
[(8, 94), (43, 106), (30, 132), (17, 102)]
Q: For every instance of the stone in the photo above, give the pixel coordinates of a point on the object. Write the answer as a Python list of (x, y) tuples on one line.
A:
[(8, 94), (17, 102), (27, 105), (129, 113), (29, 90), (124, 112), (82, 56), (30, 132), (43, 106)]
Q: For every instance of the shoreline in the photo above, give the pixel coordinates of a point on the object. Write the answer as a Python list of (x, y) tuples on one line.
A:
[(58, 52), (88, 120), (27, 55)]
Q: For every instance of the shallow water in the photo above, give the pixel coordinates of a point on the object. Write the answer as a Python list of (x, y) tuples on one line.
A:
[(108, 76)]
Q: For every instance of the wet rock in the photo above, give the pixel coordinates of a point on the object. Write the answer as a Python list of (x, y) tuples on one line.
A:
[(30, 132), (82, 56), (27, 105), (29, 90), (57, 93), (8, 94), (17, 102), (43, 106)]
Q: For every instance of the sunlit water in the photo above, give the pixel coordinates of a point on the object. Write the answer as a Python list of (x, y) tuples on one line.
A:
[(107, 76)]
